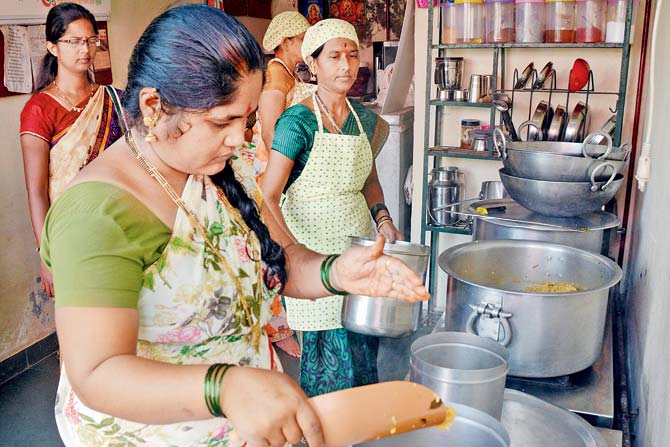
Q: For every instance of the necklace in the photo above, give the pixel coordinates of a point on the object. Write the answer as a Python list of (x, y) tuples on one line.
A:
[(338, 129), (255, 327), (64, 96)]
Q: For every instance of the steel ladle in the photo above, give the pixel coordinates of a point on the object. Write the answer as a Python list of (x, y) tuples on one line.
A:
[(502, 106)]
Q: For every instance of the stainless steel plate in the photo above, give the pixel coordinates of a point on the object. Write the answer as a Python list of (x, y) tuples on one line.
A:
[(599, 220), (532, 422)]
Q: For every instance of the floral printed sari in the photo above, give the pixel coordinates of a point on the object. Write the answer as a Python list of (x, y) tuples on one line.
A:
[(190, 313)]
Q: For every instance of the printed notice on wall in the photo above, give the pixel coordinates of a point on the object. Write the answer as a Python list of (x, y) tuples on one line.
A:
[(18, 73), (38, 48)]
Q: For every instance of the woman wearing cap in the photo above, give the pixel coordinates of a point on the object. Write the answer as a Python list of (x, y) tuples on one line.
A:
[(281, 88), (322, 158)]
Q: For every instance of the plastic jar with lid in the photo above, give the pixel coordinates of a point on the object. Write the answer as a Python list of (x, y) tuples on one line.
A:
[(530, 21), (591, 20), (470, 13), (467, 126), (560, 21), (616, 21), (451, 28), (500, 21)]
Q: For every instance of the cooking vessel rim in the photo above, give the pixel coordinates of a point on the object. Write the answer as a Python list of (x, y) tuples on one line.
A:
[(616, 277), (410, 248)]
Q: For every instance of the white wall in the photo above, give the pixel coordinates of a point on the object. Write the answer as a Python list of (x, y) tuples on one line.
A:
[(648, 278)]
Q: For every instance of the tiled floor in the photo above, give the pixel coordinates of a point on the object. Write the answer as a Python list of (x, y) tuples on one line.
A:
[(27, 401)]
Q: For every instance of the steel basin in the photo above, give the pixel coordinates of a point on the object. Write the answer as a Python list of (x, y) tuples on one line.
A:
[(471, 428), (461, 368), (560, 199), (590, 239), (547, 166), (381, 316), (547, 335), (619, 153)]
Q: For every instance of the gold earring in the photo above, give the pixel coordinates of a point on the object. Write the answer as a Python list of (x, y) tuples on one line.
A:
[(150, 122)]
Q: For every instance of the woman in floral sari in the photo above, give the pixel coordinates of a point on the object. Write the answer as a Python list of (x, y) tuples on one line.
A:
[(166, 261), (70, 120)]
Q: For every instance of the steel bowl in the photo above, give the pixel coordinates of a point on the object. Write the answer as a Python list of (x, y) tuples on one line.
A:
[(547, 334), (552, 167), (561, 199)]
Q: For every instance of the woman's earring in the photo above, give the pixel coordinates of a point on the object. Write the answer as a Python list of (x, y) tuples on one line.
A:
[(150, 122)]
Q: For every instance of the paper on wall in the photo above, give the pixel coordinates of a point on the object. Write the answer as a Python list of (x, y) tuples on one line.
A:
[(17, 69), (37, 40), (403, 70)]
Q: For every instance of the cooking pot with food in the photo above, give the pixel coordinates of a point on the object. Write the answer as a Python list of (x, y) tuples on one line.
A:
[(545, 302)]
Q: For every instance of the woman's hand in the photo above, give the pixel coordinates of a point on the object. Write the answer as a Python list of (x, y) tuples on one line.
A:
[(390, 232), (267, 408), (367, 271), (47, 279)]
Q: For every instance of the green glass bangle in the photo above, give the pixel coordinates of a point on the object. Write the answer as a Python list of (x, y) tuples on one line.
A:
[(213, 379), (377, 208), (325, 275)]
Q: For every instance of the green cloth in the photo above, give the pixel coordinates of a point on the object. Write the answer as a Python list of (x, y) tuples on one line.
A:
[(97, 240), (295, 129)]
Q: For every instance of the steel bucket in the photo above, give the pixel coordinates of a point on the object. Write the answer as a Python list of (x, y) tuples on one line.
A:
[(547, 334), (386, 317), (462, 368)]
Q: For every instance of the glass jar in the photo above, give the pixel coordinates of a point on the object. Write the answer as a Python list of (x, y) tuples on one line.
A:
[(467, 126), (470, 13), (500, 21), (451, 28), (530, 21), (560, 21), (591, 21), (616, 21)]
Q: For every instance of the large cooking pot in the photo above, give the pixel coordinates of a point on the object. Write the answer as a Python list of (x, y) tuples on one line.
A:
[(547, 334), (471, 428), (461, 368), (386, 317), (590, 237)]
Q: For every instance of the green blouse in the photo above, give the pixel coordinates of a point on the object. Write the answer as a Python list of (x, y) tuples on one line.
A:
[(97, 240), (295, 129)]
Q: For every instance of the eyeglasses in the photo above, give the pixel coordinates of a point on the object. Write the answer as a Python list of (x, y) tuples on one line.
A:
[(91, 41)]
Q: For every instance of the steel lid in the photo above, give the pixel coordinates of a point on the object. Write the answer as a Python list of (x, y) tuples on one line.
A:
[(599, 220), (533, 422)]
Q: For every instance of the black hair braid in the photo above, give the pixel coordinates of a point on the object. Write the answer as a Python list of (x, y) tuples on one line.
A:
[(271, 252)]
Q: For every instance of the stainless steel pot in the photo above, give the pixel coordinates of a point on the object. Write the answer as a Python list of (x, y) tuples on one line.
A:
[(590, 239), (462, 368), (562, 199), (386, 317), (547, 334), (471, 428)]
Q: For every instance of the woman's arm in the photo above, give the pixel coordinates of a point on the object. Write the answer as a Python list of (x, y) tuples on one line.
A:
[(274, 181), (36, 171), (98, 346), (270, 106), (372, 191)]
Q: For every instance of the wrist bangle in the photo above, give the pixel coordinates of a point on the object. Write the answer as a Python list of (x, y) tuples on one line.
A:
[(213, 380), (377, 208), (382, 221), (325, 275)]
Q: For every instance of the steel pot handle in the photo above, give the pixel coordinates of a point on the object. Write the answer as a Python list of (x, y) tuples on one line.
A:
[(490, 311), (531, 123), (592, 135), (602, 166), (500, 143), (627, 146)]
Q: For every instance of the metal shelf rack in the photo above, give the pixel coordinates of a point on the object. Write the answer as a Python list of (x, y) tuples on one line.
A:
[(433, 152)]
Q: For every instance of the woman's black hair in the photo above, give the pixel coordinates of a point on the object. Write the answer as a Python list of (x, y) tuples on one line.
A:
[(58, 19), (195, 56), (318, 51)]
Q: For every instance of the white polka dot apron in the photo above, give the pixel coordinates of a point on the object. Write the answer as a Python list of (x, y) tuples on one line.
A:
[(325, 206)]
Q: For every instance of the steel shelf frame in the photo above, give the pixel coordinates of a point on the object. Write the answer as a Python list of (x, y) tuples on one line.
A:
[(433, 153)]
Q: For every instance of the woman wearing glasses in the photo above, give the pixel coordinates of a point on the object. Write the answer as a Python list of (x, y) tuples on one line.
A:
[(70, 120)]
